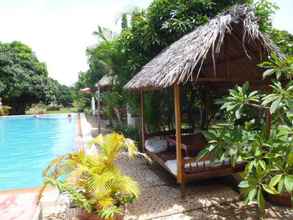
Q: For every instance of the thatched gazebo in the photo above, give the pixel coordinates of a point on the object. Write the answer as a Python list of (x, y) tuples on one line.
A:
[(106, 82), (222, 53)]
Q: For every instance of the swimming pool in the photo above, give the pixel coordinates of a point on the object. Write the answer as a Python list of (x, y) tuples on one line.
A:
[(28, 144)]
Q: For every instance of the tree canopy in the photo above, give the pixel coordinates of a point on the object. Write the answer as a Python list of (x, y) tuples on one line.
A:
[(24, 79), (144, 33)]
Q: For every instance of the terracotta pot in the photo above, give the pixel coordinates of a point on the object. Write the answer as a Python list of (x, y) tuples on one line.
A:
[(283, 199), (83, 215)]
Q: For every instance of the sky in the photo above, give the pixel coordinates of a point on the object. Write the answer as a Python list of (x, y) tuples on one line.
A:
[(59, 31)]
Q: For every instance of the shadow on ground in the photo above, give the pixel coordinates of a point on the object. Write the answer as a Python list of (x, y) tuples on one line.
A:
[(210, 199)]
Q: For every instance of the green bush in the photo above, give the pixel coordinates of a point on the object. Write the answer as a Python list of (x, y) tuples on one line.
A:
[(264, 140), (54, 107), (130, 132), (87, 111), (4, 110), (36, 109)]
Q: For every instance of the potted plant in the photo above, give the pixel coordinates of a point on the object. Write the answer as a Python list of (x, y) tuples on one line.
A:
[(259, 131), (94, 182)]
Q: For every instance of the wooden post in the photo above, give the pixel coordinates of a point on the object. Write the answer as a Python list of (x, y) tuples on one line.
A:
[(99, 109), (79, 130), (142, 120), (226, 57), (268, 122), (179, 158), (79, 141)]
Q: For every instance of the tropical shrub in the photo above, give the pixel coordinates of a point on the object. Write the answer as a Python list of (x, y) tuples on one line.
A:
[(53, 107), (132, 132), (4, 110), (259, 131), (36, 109), (94, 182)]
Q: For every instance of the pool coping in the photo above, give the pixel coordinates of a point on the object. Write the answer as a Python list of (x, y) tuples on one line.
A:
[(29, 116), (83, 132)]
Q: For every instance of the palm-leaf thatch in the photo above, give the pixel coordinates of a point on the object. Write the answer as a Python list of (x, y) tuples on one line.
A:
[(227, 48), (107, 81)]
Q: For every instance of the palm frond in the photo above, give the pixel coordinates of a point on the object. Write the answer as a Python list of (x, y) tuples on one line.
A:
[(94, 182)]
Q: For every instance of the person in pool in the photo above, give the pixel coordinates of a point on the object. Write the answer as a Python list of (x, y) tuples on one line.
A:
[(69, 117)]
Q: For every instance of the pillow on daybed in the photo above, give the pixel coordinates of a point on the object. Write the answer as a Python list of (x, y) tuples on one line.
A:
[(156, 144)]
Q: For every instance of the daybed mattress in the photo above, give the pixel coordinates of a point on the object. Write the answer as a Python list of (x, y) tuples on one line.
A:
[(172, 164)]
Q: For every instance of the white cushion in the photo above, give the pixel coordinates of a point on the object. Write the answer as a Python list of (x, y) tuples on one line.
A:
[(172, 164), (156, 144)]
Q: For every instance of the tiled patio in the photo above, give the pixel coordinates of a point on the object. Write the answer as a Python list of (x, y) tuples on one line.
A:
[(18, 205)]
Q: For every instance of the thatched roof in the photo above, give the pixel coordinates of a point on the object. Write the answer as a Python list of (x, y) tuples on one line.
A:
[(229, 46), (106, 81)]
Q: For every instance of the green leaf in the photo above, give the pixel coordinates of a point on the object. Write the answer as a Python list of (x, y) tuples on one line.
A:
[(275, 105), (268, 72), (203, 153), (260, 200), (269, 98), (281, 185), (269, 189), (253, 93), (275, 180), (257, 152), (290, 88), (288, 181), (243, 184), (251, 195), (262, 164), (238, 114), (290, 159)]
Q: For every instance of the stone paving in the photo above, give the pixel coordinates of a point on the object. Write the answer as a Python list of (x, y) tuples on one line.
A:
[(210, 199)]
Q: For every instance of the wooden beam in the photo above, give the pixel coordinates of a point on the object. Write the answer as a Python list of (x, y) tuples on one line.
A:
[(223, 80), (142, 120), (223, 60), (160, 161), (180, 161)]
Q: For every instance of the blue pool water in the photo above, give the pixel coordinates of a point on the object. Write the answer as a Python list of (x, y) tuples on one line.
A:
[(28, 144)]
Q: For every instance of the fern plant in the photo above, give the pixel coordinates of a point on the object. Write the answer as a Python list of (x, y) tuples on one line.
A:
[(94, 182)]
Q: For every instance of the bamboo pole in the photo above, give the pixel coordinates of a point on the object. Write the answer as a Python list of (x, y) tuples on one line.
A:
[(142, 120), (180, 161)]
